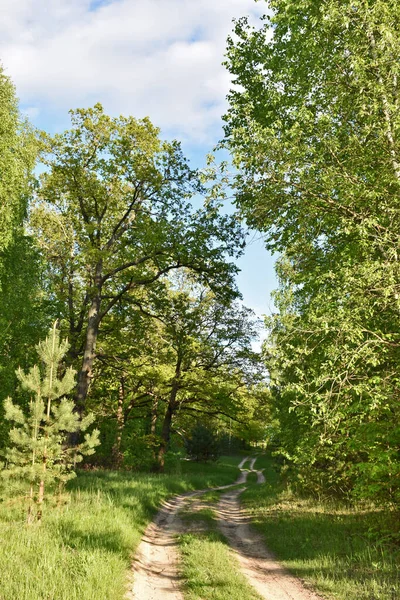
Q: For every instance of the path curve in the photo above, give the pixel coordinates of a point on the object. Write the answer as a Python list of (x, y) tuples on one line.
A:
[(155, 568)]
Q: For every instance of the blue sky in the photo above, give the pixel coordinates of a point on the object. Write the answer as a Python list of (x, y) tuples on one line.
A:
[(156, 58)]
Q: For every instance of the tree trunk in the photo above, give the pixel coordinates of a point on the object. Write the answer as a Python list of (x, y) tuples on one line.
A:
[(85, 374), (154, 415), (165, 437), (116, 451), (89, 352), (166, 428)]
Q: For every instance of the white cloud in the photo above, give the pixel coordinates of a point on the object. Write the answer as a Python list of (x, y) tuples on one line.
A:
[(160, 58)]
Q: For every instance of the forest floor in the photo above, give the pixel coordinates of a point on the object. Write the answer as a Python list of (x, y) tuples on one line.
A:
[(157, 572)]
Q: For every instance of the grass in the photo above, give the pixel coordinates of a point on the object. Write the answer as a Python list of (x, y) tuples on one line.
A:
[(328, 544), (208, 568), (83, 550), (263, 461), (251, 478), (210, 571)]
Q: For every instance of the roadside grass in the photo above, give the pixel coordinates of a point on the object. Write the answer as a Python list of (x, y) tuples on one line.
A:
[(204, 516), (83, 550), (232, 460), (208, 567), (333, 547), (251, 478), (264, 461)]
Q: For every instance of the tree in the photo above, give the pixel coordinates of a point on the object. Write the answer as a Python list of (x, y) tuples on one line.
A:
[(206, 359), (113, 215), (173, 355), (21, 313), (39, 454), (17, 158), (202, 444), (314, 129)]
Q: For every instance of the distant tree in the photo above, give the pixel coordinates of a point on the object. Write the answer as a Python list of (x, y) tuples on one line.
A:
[(172, 355), (205, 364), (39, 454), (203, 444)]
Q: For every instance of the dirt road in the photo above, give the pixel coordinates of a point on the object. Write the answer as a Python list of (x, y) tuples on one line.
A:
[(156, 565)]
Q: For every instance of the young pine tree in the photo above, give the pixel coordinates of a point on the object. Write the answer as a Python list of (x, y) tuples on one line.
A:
[(39, 453), (203, 444)]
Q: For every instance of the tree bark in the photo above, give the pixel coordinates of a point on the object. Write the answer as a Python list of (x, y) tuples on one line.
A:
[(116, 451), (166, 428), (89, 352), (165, 437), (154, 415)]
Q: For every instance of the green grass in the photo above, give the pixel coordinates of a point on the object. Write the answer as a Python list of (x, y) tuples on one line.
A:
[(251, 478), (204, 516), (329, 545), (263, 461), (210, 571), (83, 550), (208, 568)]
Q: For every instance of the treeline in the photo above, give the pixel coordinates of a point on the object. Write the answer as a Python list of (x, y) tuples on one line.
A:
[(125, 247), (314, 128)]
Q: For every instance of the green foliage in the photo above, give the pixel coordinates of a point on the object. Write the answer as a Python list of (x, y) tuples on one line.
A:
[(174, 346), (139, 451), (314, 127), (203, 444), (39, 454), (17, 157), (20, 281), (23, 308), (114, 216)]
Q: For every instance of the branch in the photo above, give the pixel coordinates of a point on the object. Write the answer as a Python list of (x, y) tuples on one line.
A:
[(133, 283)]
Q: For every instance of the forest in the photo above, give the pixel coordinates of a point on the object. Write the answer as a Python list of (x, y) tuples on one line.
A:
[(129, 364)]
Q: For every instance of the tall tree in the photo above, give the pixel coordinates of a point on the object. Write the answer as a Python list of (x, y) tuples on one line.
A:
[(314, 128), (114, 214), (20, 294), (178, 353), (206, 358), (17, 157)]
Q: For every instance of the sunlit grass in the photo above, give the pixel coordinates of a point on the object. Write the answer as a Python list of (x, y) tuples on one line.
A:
[(333, 547), (208, 567), (83, 550), (210, 570)]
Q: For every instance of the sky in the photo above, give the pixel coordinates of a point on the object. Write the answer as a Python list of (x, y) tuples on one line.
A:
[(156, 58)]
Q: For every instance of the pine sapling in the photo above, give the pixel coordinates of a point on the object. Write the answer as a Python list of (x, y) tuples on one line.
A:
[(39, 454)]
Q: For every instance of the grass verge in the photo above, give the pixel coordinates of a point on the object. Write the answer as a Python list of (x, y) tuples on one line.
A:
[(333, 547), (83, 550), (208, 568)]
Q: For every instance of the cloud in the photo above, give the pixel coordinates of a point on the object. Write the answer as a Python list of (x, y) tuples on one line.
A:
[(160, 58)]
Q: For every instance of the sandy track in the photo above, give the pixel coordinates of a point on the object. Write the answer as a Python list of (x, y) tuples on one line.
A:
[(271, 580), (156, 566)]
